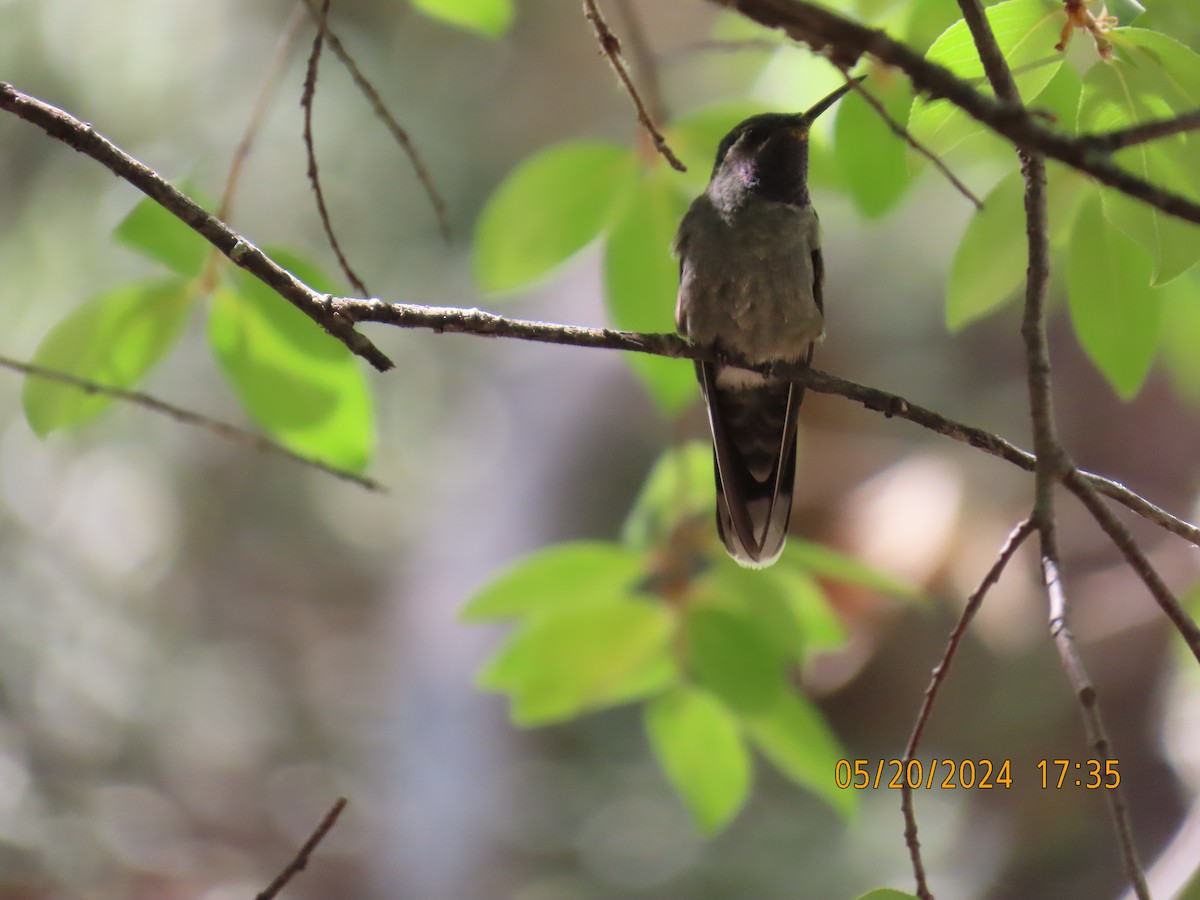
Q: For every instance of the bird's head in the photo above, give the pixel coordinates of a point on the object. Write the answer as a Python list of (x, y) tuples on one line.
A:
[(766, 156)]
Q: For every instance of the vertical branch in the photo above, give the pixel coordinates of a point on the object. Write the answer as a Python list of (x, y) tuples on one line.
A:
[(1052, 462)]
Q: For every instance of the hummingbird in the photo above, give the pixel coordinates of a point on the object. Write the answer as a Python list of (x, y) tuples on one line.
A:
[(750, 287)]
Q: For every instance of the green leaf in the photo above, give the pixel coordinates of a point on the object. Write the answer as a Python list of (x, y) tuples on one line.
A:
[(734, 658), (1060, 99), (300, 385), (825, 562), (1153, 77), (1026, 32), (873, 160), (680, 486), (989, 265), (758, 596), (1126, 11), (795, 81), (928, 19), (794, 736), (1181, 335), (641, 279), (583, 658), (810, 608), (699, 746), (559, 577), (887, 894), (155, 233), (1115, 312), (113, 339), (551, 206), (491, 18)]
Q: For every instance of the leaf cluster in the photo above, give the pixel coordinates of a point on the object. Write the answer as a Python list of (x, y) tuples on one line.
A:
[(665, 618), (301, 386)]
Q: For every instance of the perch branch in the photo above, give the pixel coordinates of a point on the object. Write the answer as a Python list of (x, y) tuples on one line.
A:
[(453, 320)]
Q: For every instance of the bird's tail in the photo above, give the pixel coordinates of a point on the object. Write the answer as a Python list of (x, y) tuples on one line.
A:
[(754, 451)]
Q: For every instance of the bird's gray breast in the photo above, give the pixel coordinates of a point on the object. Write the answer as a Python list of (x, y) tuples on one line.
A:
[(746, 279)]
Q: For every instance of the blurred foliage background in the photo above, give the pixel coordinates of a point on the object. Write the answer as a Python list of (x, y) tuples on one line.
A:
[(202, 646)]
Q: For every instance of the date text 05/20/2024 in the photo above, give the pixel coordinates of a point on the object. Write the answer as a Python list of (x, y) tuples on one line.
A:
[(969, 774)]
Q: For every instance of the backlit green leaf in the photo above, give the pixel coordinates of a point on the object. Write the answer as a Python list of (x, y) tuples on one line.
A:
[(680, 486), (113, 339), (490, 18), (1181, 335), (699, 746), (818, 624), (1151, 77), (757, 596), (734, 658), (1115, 312), (300, 385), (1126, 11), (989, 265), (887, 894), (155, 233), (1026, 31), (583, 658), (794, 736), (641, 279), (557, 578), (551, 206), (825, 562), (872, 158)]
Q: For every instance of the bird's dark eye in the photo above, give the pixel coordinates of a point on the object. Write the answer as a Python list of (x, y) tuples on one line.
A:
[(753, 136)]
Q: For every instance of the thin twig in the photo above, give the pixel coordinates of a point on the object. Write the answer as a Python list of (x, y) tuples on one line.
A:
[(187, 417), (385, 115), (1078, 484), (270, 85), (903, 133), (314, 175), (610, 46), (274, 77), (1014, 541), (642, 57), (846, 41), (82, 137), (1111, 141), (300, 860)]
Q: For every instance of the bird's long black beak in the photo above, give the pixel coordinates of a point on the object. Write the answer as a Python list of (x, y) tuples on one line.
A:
[(807, 118)]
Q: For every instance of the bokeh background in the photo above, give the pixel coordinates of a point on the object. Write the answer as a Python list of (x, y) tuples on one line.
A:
[(202, 646)]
